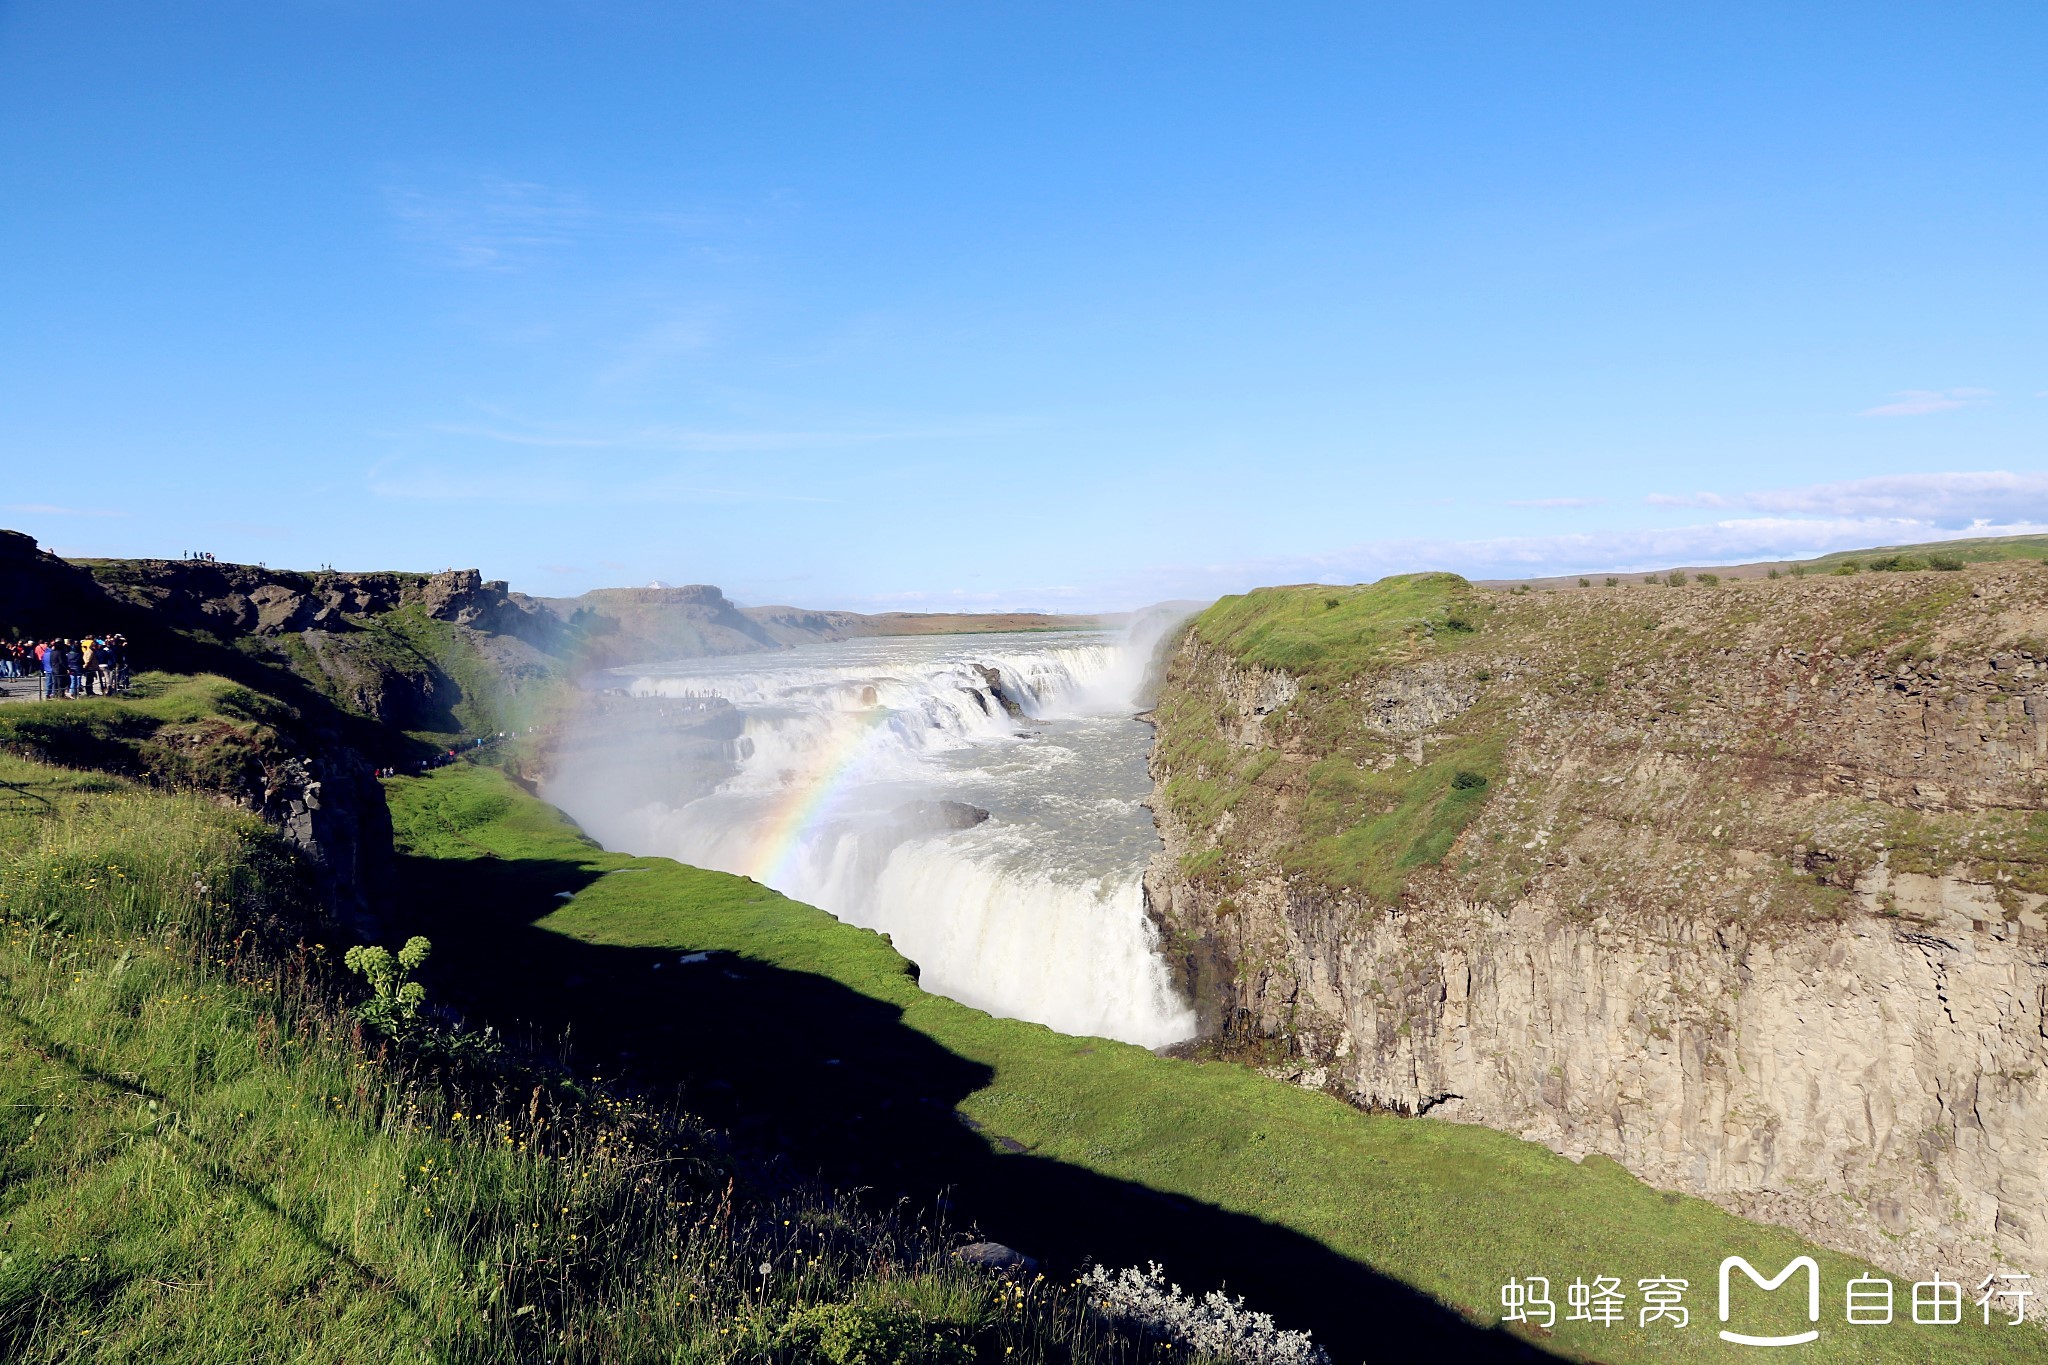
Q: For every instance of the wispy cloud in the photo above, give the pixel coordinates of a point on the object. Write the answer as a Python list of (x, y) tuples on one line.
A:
[(45, 509), (489, 223), (503, 224), (1558, 504), (557, 485), (656, 439), (1921, 402)]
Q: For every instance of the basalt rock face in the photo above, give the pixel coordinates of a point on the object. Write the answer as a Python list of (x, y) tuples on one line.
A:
[(247, 599), (330, 807), (402, 649), (1743, 886), (44, 596)]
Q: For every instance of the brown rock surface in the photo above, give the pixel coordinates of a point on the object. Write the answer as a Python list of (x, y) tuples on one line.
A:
[(1754, 902)]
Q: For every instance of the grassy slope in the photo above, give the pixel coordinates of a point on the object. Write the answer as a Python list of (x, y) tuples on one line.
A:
[(1234, 1166), (201, 1160), (1977, 550), (1330, 797), (178, 1181)]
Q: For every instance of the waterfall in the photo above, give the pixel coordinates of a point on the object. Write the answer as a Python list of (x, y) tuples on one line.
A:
[(977, 798)]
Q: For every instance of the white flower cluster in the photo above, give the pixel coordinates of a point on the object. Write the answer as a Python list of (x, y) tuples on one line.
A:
[(1217, 1325)]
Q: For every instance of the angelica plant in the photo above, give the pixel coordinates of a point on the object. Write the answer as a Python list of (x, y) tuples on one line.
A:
[(395, 1000)]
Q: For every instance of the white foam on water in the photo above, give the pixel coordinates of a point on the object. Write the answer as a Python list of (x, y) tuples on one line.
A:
[(1037, 913)]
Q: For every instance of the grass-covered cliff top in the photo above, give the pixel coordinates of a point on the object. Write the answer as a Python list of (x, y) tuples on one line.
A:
[(1334, 633), (196, 733), (1826, 723)]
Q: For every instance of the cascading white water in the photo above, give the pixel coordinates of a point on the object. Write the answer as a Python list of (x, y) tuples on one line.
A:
[(854, 783)]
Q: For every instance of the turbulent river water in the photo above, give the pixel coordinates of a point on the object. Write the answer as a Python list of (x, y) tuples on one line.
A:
[(852, 776)]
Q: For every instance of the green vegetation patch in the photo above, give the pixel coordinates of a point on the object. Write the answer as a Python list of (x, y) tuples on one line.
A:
[(1939, 554), (1194, 1159), (1332, 634), (1368, 829), (1367, 815), (201, 732), (204, 1158)]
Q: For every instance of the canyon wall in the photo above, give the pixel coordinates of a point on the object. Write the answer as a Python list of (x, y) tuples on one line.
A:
[(1740, 885)]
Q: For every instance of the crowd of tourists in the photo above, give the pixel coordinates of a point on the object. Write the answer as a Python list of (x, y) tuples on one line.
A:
[(441, 758), (92, 665)]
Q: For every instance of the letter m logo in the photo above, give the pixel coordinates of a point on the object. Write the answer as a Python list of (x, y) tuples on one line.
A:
[(1805, 1263)]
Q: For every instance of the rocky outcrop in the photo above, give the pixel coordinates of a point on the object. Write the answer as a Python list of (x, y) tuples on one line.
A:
[(1754, 904), (248, 599), (285, 759), (938, 817), (993, 689), (331, 809), (45, 596)]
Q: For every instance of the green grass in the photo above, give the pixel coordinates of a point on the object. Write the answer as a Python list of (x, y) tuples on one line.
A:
[(202, 1159), (1369, 829), (1331, 634), (201, 732), (1977, 550), (485, 700), (1323, 1214), (1363, 814), (440, 688)]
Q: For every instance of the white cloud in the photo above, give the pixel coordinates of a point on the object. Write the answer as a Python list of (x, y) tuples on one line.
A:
[(501, 224), (1938, 500), (1794, 523), (1921, 402), (1721, 542)]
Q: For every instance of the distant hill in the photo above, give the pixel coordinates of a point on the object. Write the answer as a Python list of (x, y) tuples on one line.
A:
[(1928, 554), (641, 625)]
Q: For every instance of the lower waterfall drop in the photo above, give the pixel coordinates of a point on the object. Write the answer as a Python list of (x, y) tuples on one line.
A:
[(979, 799)]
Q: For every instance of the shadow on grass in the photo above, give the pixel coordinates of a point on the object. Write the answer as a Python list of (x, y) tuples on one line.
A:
[(170, 1128), (800, 1065)]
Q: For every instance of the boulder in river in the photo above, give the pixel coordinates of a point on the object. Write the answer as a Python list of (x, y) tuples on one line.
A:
[(938, 817)]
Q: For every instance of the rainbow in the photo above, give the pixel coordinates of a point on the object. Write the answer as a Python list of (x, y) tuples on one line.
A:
[(781, 833)]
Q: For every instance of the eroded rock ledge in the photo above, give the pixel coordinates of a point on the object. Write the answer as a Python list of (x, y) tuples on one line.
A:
[(1753, 903)]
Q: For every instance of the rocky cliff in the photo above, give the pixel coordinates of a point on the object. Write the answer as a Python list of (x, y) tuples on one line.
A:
[(1742, 885), (432, 654)]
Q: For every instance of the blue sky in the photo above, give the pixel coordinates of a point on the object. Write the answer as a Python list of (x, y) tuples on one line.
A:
[(1056, 305)]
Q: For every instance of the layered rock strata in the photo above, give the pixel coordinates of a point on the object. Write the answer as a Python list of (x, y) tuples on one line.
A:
[(1753, 903)]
